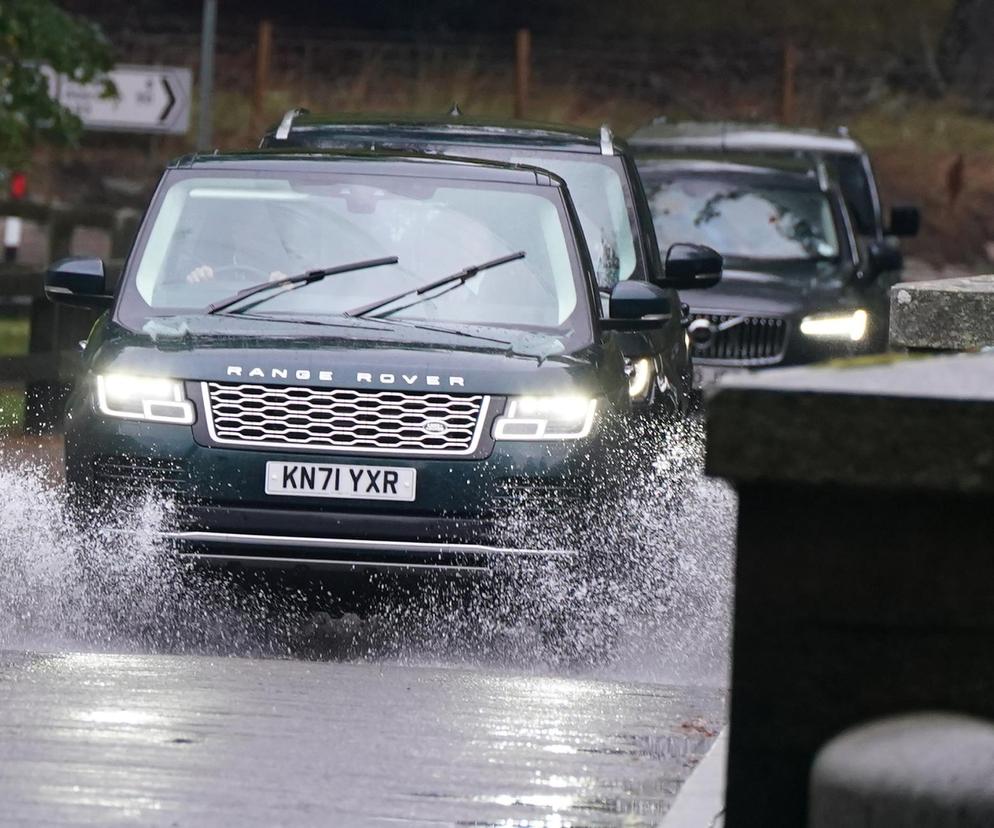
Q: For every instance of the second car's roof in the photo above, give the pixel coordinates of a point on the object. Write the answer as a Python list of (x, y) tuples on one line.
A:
[(408, 164), (450, 129)]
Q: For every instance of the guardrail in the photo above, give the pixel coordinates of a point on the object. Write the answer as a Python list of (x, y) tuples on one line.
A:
[(48, 369)]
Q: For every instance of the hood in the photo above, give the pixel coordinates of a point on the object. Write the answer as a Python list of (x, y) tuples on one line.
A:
[(780, 288), (350, 354)]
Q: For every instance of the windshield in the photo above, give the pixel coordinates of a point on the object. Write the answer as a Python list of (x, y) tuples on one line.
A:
[(741, 220), (213, 234), (598, 188)]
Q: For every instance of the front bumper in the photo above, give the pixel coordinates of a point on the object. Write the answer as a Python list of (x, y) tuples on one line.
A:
[(221, 513)]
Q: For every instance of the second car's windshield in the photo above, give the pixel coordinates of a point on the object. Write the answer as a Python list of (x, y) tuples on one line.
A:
[(597, 186), (742, 220), (214, 234)]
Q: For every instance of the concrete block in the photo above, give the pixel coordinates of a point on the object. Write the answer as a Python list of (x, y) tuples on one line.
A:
[(945, 314), (863, 559), (929, 769)]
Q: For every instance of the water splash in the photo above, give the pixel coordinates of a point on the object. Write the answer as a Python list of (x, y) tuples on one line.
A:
[(66, 586), (647, 600)]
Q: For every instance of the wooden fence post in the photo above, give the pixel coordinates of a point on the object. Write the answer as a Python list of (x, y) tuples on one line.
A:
[(522, 71), (263, 53), (787, 101)]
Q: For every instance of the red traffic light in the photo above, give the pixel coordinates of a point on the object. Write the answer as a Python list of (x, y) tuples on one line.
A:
[(18, 185)]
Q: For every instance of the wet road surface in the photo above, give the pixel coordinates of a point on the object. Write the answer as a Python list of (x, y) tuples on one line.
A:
[(107, 739)]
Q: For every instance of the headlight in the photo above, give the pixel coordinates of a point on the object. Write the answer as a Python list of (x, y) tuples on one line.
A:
[(639, 373), (546, 418), (850, 325), (143, 398)]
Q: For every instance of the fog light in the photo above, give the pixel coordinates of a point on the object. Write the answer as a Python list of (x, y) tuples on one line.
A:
[(639, 373)]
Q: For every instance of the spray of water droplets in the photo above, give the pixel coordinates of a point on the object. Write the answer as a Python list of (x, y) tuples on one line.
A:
[(647, 598)]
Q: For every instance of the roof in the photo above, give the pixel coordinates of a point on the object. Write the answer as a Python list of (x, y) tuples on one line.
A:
[(373, 130), (729, 136), (780, 177), (357, 162)]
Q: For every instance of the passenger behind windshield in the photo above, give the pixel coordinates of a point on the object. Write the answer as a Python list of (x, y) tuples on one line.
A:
[(741, 220), (249, 230)]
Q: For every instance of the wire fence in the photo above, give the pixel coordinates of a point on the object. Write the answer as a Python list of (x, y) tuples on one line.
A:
[(574, 78)]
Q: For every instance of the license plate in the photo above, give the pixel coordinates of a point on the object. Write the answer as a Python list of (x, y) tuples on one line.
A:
[(337, 480)]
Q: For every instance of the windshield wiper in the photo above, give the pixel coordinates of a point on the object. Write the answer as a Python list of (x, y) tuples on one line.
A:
[(295, 281), (454, 280), (407, 323)]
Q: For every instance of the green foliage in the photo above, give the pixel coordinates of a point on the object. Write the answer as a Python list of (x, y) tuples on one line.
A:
[(36, 33)]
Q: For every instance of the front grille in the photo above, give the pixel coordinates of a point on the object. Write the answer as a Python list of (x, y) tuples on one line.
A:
[(113, 472), (383, 422), (756, 340)]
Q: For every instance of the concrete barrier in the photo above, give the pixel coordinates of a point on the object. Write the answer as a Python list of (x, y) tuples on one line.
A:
[(943, 315), (863, 563), (929, 769)]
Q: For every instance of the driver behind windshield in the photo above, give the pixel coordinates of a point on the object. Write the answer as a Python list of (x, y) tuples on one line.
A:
[(214, 237)]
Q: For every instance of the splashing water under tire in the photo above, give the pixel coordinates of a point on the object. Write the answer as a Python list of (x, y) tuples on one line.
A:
[(647, 598)]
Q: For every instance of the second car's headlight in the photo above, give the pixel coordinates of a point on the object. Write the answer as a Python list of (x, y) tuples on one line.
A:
[(155, 399), (640, 373), (851, 325), (546, 418)]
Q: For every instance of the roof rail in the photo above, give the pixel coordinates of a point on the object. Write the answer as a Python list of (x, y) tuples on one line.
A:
[(283, 130), (821, 169), (607, 140)]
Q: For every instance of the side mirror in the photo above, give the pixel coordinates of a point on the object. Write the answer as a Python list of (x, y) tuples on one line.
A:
[(884, 257), (78, 282), (904, 221), (692, 266), (635, 304)]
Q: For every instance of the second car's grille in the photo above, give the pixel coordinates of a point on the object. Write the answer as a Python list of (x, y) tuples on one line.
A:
[(396, 422), (755, 340)]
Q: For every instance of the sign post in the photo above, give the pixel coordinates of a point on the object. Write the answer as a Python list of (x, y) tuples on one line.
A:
[(149, 99)]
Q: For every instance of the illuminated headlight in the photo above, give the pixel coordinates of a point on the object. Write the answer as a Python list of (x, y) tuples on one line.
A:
[(851, 326), (154, 399), (546, 418), (639, 373)]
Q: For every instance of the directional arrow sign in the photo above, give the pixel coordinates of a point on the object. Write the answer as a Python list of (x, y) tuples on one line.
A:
[(150, 99)]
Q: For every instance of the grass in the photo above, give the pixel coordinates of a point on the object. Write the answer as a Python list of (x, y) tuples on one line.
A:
[(944, 126), (11, 409), (14, 333)]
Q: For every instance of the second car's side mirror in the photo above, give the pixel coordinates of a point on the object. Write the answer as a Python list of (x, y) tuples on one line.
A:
[(78, 282), (904, 221), (884, 257), (637, 305), (690, 266)]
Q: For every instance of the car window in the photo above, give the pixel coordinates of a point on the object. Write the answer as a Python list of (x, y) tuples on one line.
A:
[(740, 220), (598, 188), (213, 235), (857, 191)]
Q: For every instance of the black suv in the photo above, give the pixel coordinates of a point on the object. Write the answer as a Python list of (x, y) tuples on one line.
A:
[(847, 161), (349, 359), (796, 288), (602, 179)]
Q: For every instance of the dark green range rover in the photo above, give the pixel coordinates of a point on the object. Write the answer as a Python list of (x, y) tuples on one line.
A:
[(343, 360)]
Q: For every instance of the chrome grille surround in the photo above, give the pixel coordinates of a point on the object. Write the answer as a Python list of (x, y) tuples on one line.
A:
[(344, 420), (756, 340)]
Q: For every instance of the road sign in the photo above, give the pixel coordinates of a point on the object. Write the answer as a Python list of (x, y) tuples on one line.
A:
[(150, 99)]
